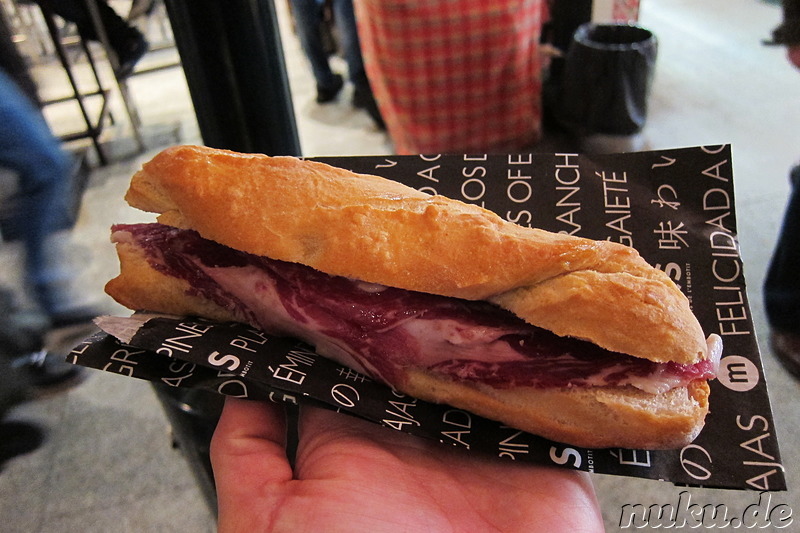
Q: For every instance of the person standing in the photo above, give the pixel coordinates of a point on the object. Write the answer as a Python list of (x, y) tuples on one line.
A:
[(782, 285), (308, 15), (40, 214), (455, 76)]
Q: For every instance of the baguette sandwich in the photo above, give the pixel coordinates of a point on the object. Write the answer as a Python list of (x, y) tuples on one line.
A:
[(576, 340)]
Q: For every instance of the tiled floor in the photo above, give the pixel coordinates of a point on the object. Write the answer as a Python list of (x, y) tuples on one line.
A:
[(108, 464)]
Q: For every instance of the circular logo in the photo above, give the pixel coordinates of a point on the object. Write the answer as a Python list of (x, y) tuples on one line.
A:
[(738, 373)]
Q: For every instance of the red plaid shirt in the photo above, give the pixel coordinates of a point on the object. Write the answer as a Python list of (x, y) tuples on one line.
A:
[(455, 75)]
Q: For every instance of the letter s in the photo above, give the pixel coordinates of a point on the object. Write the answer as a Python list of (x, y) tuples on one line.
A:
[(231, 360), (752, 423), (562, 458)]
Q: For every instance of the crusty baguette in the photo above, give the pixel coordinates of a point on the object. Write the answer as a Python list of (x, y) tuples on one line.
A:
[(380, 231), (592, 417), (140, 287)]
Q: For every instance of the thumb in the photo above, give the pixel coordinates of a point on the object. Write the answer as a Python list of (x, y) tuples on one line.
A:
[(248, 457)]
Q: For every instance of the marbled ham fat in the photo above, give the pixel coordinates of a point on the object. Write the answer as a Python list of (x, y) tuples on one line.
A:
[(380, 330)]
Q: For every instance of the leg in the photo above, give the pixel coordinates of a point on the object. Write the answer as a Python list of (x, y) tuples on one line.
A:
[(75, 11), (362, 95), (308, 16), (346, 22), (782, 286), (28, 147), (127, 42)]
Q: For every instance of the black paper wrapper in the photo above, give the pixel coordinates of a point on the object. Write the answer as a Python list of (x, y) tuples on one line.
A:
[(675, 206)]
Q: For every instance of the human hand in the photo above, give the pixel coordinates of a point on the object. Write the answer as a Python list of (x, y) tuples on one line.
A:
[(351, 475)]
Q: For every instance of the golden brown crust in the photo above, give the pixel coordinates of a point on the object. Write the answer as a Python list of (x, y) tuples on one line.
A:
[(383, 232), (592, 417), (142, 288)]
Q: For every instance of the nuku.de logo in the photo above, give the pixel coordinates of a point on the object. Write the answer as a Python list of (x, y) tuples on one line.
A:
[(685, 514)]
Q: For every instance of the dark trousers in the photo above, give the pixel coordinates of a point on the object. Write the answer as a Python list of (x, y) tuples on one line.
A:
[(76, 11), (782, 287), (308, 15)]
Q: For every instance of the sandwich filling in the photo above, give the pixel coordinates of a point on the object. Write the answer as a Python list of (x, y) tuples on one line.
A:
[(381, 330)]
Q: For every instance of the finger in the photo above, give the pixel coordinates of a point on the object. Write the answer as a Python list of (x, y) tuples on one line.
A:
[(248, 453)]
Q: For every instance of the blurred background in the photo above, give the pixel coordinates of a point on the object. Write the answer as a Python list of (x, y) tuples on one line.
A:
[(109, 457)]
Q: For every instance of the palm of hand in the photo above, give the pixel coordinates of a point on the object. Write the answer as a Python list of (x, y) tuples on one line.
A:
[(353, 476)]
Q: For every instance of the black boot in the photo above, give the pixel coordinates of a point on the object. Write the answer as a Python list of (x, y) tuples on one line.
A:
[(328, 94), (48, 371), (18, 438), (21, 331), (364, 99), (129, 51), (22, 348)]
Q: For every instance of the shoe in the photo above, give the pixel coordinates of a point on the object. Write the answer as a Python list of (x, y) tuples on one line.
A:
[(21, 331), (48, 371), (328, 94), (18, 438), (129, 53), (15, 387), (786, 347), (364, 99)]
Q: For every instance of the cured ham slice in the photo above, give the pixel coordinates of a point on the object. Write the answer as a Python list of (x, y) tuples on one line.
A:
[(382, 330)]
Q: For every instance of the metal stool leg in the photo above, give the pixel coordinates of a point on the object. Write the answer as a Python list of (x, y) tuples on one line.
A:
[(130, 108), (92, 130)]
